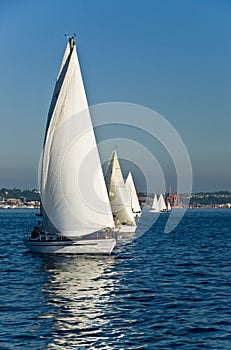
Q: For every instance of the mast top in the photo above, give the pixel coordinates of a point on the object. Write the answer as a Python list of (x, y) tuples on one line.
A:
[(71, 40)]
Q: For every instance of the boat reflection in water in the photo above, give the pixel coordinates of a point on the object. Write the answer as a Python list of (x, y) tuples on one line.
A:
[(77, 292)]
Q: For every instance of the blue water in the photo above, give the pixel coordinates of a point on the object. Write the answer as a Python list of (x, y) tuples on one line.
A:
[(161, 291)]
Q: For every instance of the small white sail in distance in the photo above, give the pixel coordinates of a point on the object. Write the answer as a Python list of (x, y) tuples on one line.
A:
[(169, 208), (118, 195), (155, 204), (130, 186), (70, 160), (162, 205)]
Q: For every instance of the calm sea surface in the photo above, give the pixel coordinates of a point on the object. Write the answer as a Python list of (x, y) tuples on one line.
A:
[(160, 291)]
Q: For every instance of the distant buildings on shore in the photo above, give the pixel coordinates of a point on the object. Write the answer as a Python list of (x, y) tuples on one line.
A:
[(13, 203), (221, 199), (30, 199), (16, 198)]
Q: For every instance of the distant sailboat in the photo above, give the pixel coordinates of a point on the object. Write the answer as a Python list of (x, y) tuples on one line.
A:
[(118, 195), (155, 205), (135, 205), (169, 208), (159, 205), (162, 204), (72, 223)]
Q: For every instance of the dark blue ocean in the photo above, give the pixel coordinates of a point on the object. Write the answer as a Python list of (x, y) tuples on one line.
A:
[(160, 291)]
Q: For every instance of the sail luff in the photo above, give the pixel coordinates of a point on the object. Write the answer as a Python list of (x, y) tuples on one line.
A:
[(58, 85)]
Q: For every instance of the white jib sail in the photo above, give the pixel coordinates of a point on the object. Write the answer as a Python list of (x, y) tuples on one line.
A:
[(118, 195), (168, 206), (135, 205), (73, 189), (155, 204)]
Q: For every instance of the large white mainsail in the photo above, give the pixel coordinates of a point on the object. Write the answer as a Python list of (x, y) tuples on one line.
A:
[(118, 195), (73, 190), (129, 183)]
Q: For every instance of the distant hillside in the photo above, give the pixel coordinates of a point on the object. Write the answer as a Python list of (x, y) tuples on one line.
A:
[(210, 199), (27, 195)]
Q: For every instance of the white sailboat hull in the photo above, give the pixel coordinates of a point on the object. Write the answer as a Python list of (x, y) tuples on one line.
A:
[(137, 214), (83, 246), (154, 211), (127, 228)]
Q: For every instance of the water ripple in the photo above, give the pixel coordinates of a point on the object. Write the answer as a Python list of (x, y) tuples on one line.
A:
[(160, 291)]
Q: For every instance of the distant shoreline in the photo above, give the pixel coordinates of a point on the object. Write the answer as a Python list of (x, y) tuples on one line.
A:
[(174, 209), (30, 199)]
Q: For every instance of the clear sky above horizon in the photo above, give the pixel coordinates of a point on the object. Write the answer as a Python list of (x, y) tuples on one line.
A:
[(173, 57)]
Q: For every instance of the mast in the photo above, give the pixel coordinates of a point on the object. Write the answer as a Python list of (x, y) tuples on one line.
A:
[(71, 43)]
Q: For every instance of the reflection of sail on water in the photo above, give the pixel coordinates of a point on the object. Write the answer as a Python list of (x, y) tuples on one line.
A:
[(79, 292)]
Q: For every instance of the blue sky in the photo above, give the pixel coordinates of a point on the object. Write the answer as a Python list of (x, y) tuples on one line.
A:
[(172, 56)]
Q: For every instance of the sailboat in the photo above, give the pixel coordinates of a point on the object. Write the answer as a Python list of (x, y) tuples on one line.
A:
[(77, 216), (135, 205), (162, 204), (169, 208), (118, 196), (155, 205)]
